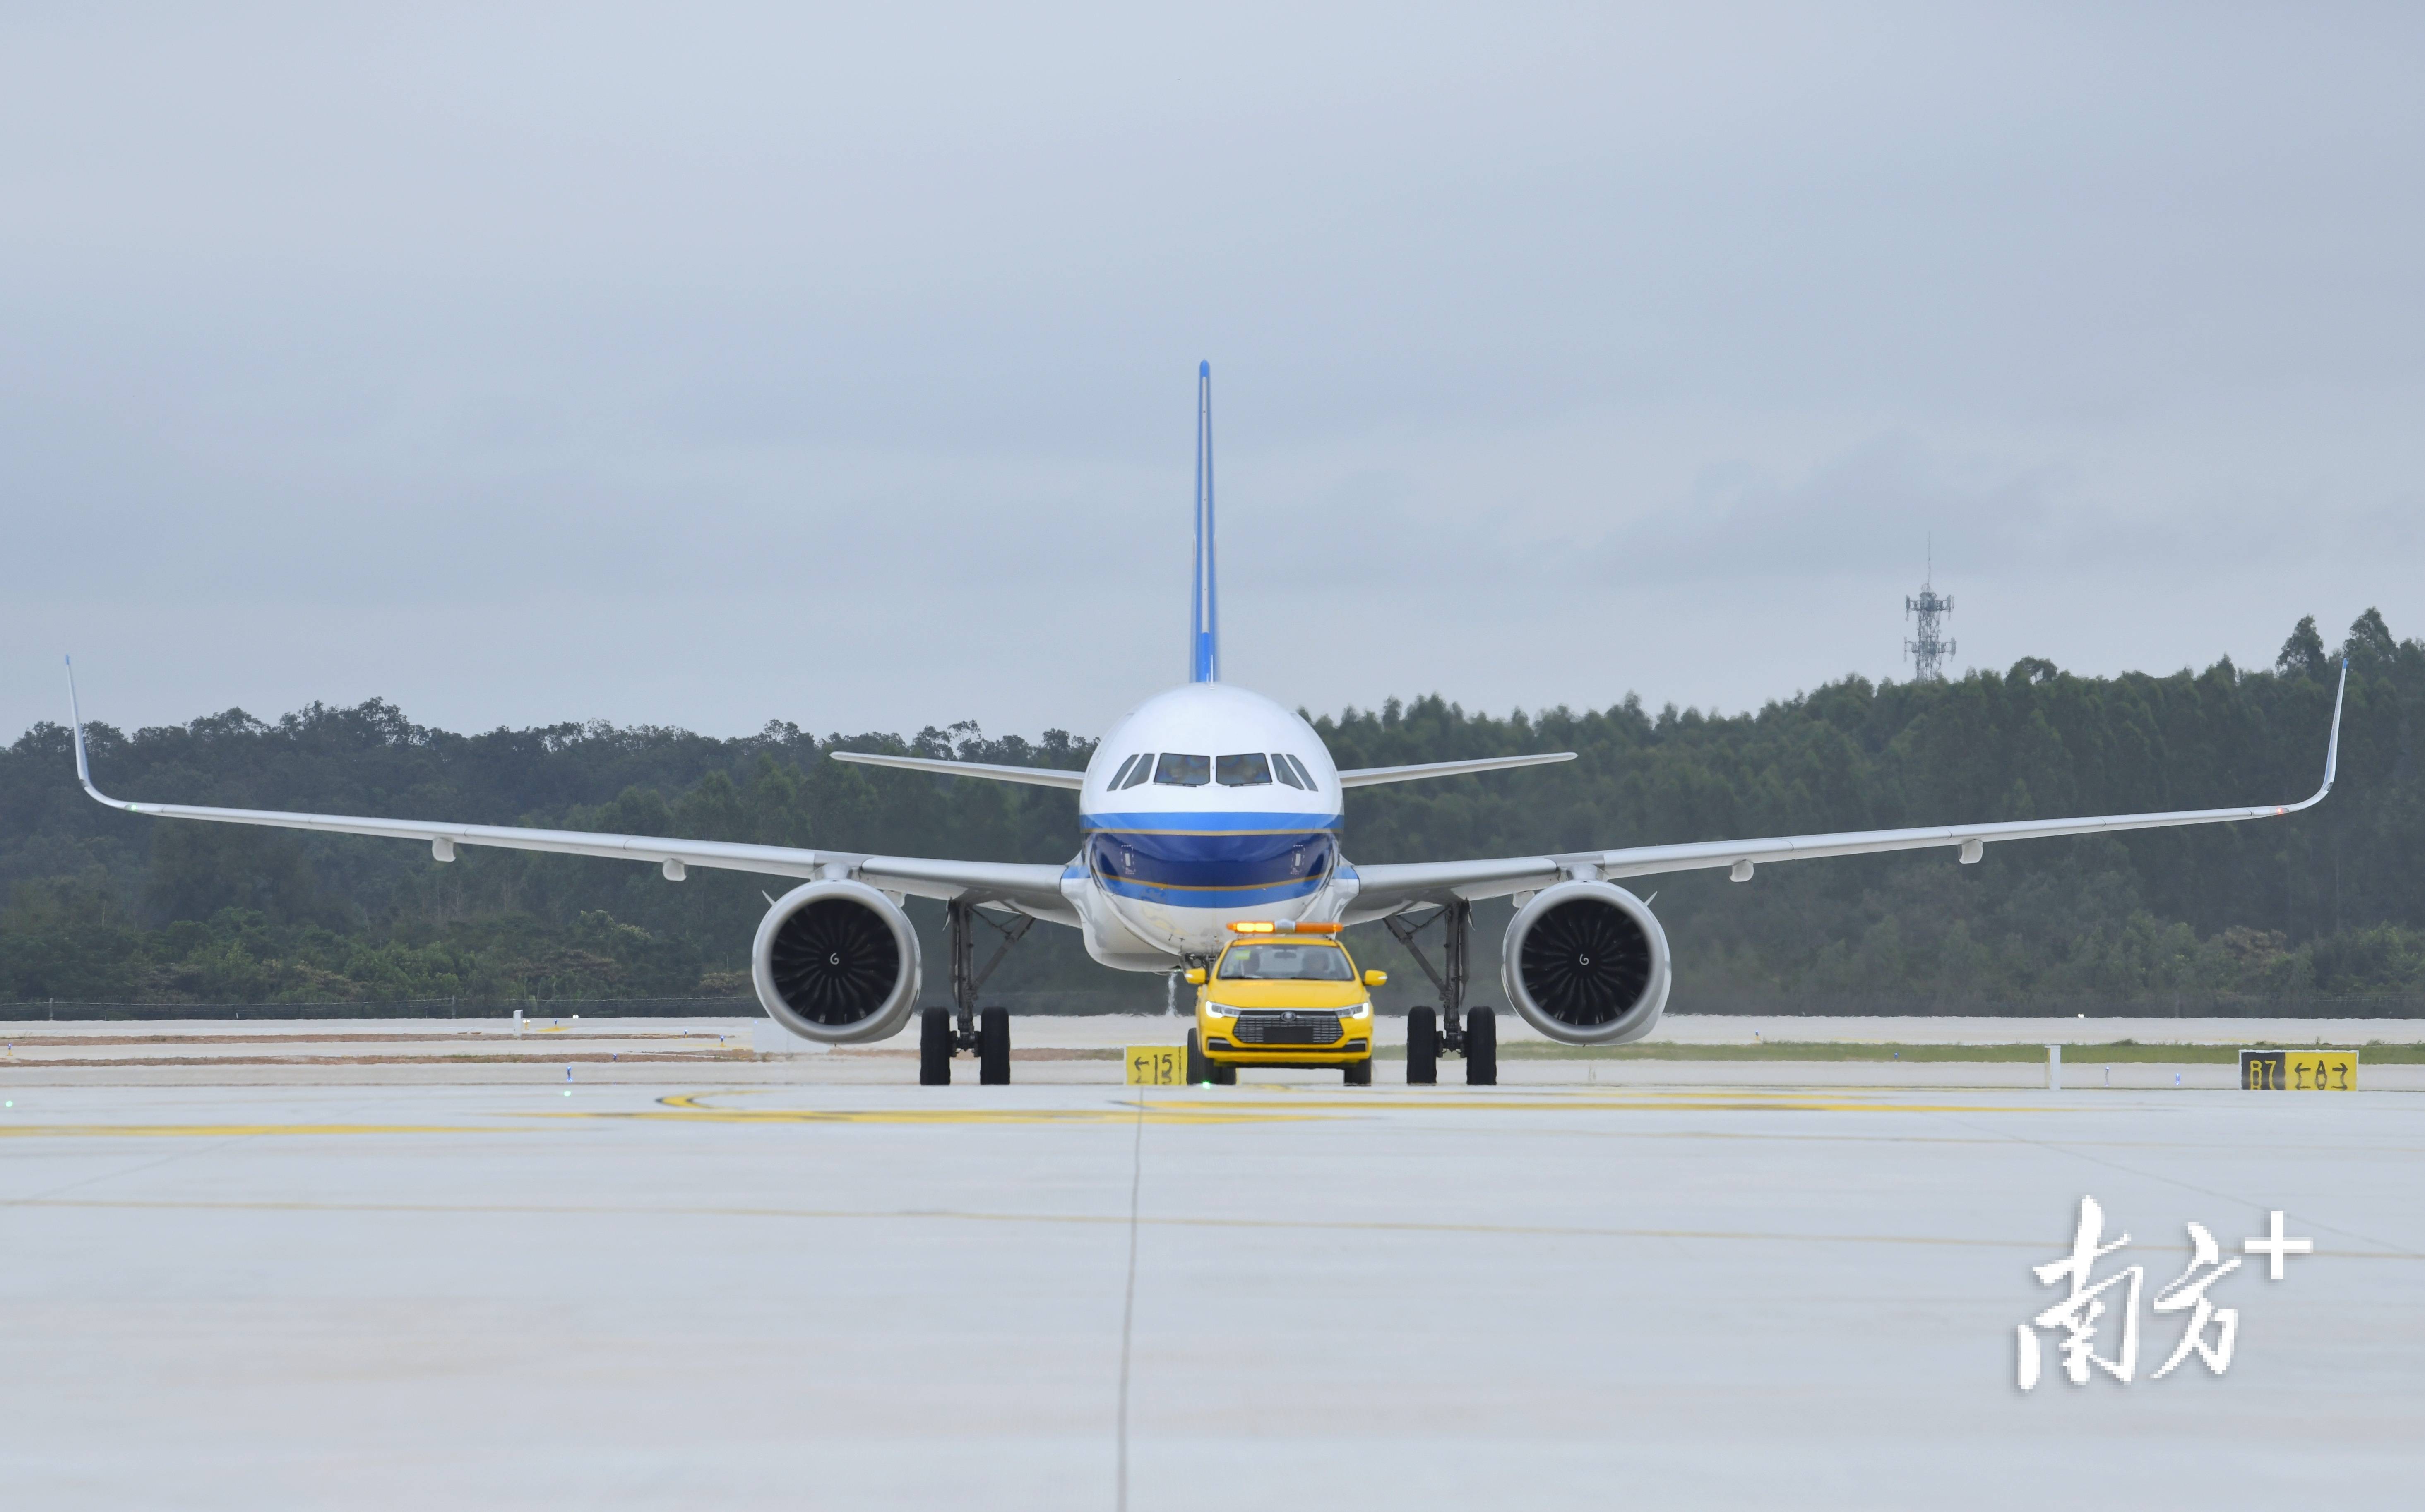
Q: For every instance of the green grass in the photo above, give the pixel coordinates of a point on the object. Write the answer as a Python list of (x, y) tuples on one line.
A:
[(2116, 1052)]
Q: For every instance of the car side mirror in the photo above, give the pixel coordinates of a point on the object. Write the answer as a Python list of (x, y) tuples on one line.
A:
[(1375, 978), (1195, 975)]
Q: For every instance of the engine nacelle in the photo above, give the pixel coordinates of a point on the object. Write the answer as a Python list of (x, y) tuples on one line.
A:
[(1586, 963), (837, 962)]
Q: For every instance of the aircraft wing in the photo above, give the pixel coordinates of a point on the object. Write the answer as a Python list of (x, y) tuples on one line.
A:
[(1386, 889), (1034, 776), (1368, 777), (1031, 889)]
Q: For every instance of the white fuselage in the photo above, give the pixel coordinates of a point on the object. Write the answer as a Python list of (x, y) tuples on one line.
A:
[(1206, 805)]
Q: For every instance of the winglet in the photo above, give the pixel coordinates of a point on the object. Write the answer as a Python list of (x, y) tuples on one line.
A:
[(83, 766), (75, 717), (2332, 747)]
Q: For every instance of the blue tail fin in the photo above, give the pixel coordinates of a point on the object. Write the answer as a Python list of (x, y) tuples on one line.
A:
[(1204, 628)]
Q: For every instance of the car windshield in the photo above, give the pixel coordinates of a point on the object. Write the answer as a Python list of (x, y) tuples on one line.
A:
[(1286, 962)]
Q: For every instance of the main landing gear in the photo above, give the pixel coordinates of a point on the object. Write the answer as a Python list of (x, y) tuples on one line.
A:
[(986, 1033), (1474, 1034)]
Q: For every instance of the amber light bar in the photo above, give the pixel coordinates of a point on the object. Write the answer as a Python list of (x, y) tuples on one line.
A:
[(1265, 926)]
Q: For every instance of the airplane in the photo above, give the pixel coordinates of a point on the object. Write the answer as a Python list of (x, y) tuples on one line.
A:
[(1208, 811)]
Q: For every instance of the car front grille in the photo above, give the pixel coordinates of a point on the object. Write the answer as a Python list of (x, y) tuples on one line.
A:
[(1288, 1028)]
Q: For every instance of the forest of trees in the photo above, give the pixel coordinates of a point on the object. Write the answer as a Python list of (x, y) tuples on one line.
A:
[(102, 906)]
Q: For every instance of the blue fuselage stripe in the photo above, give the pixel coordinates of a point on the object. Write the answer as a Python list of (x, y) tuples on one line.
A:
[(1222, 869), (1224, 897)]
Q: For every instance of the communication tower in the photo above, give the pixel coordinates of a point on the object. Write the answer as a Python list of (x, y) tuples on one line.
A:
[(1927, 647)]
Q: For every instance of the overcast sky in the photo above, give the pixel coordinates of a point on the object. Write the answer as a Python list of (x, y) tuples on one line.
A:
[(707, 365)]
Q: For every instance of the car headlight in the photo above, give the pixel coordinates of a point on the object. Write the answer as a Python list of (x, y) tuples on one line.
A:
[(1362, 1009), (1217, 1011)]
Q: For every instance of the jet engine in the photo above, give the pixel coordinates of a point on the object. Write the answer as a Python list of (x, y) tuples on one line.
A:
[(1586, 963), (837, 962)]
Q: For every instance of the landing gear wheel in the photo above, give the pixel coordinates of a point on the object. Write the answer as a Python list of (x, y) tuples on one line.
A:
[(935, 1047), (1359, 1073), (1200, 1070), (1481, 1048), (1422, 1047), (1224, 1075), (993, 1047)]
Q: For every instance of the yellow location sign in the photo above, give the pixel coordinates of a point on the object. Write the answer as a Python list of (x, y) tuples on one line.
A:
[(1156, 1065), (2299, 1071)]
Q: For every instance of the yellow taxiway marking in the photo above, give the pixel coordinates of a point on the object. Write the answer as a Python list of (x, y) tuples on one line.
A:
[(1551, 1230), (228, 1131), (1700, 1103), (1544, 1099), (688, 1106), (1124, 1115), (1288, 1106)]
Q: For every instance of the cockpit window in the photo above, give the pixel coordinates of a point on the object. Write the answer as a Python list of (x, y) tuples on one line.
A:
[(1118, 777), (1286, 962), (1143, 770), (1246, 770), (1311, 785), (1178, 771), (1287, 773)]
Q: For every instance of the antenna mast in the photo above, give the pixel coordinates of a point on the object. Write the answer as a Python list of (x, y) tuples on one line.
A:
[(1927, 647)]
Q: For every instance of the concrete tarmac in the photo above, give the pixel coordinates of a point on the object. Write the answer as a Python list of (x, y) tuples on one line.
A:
[(661, 1294), (1075, 1050)]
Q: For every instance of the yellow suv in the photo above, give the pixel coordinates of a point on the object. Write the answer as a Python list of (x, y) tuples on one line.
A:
[(1282, 995)]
